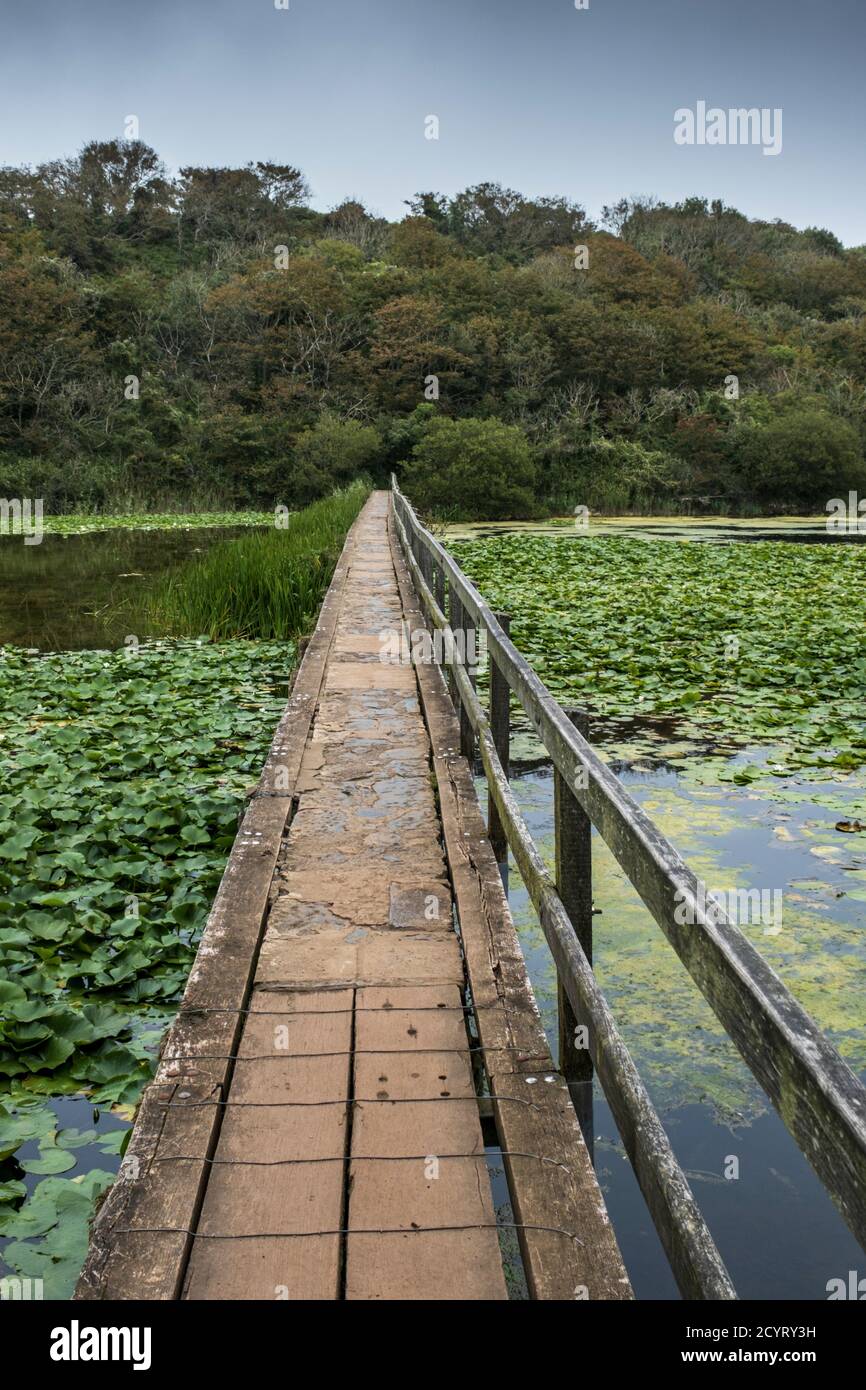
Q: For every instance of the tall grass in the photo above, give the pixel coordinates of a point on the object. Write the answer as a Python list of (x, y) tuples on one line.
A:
[(267, 585), (102, 487)]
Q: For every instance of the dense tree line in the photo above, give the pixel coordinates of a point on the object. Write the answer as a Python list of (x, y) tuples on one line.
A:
[(209, 337)]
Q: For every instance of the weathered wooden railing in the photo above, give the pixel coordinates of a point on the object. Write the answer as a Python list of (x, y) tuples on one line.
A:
[(817, 1095)]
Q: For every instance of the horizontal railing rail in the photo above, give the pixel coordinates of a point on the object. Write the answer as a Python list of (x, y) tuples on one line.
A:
[(818, 1097)]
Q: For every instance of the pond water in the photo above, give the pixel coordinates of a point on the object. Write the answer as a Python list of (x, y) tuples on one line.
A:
[(63, 594), (775, 1226), (726, 687)]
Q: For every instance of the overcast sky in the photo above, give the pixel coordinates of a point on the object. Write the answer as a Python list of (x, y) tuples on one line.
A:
[(533, 93)]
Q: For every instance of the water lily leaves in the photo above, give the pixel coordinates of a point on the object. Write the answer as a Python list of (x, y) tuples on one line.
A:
[(115, 1141), (19, 1126), (754, 643), (11, 996), (17, 845), (118, 803), (47, 1054), (51, 1160), (194, 835), (76, 1138), (752, 772), (111, 757), (74, 524), (71, 859), (108, 1065), (48, 1234), (103, 1021), (42, 926)]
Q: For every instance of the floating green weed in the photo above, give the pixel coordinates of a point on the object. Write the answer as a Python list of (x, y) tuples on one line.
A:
[(635, 628), (121, 777), (80, 523)]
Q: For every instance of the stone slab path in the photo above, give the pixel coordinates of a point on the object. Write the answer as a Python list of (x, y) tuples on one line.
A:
[(350, 1160)]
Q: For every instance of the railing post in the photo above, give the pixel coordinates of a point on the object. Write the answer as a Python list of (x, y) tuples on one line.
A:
[(439, 585), (462, 643), (500, 727), (428, 568), (574, 885), (457, 623), (471, 637), (421, 557), (454, 624)]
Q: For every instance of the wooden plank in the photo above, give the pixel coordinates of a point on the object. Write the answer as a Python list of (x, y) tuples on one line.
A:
[(816, 1094), (418, 1155), (244, 1182), (139, 1243), (164, 1196), (361, 859), (280, 1168), (555, 1186)]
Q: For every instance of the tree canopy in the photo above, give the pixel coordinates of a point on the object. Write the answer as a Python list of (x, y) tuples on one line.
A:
[(209, 334)]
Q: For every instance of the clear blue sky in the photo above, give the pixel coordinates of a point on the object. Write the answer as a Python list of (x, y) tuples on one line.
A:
[(533, 93)]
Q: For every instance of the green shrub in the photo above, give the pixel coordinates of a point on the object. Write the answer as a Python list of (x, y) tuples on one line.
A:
[(616, 475), (88, 484), (331, 454), (247, 452), (473, 470), (802, 458)]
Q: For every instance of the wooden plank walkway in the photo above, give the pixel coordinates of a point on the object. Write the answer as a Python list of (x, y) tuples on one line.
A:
[(313, 1131)]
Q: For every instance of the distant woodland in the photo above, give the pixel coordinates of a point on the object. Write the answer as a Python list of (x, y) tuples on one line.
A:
[(209, 339)]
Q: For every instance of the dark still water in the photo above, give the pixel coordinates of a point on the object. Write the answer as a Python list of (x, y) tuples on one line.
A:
[(775, 1226), (67, 594)]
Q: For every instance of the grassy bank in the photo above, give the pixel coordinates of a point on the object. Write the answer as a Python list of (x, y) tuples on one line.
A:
[(268, 585)]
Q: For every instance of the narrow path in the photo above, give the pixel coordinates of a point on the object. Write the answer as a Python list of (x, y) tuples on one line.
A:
[(358, 993), (313, 1129)]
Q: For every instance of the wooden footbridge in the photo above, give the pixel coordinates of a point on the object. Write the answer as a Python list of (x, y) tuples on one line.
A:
[(359, 1031)]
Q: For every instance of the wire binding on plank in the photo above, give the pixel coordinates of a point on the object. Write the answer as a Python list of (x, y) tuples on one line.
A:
[(345, 1231), (278, 1056), (386, 1008), (350, 1158), (346, 1100)]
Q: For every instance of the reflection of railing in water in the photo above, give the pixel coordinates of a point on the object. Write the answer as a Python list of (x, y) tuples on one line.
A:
[(816, 1094)]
